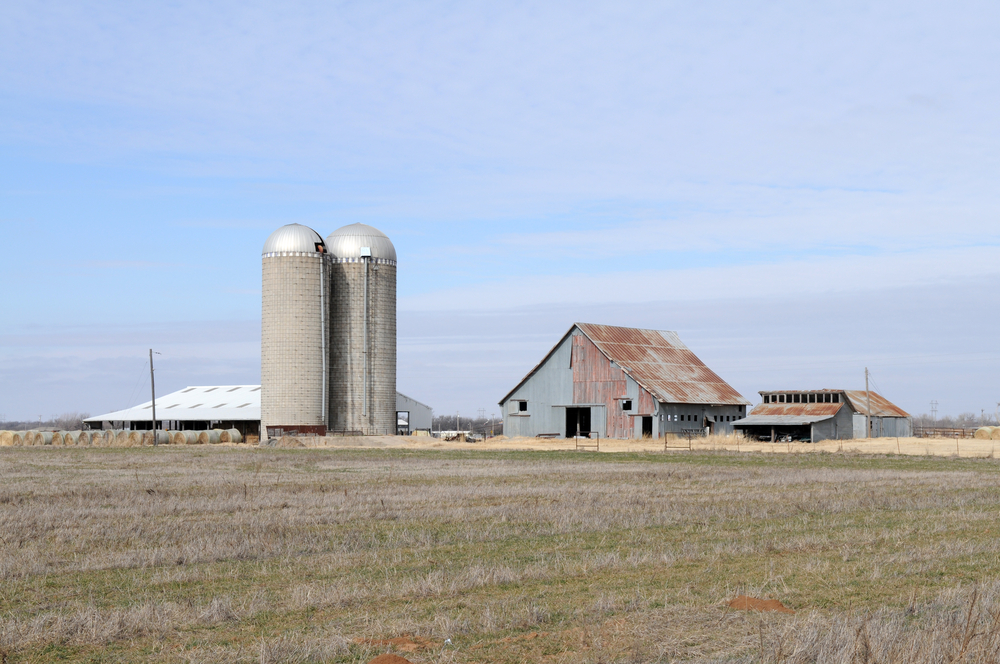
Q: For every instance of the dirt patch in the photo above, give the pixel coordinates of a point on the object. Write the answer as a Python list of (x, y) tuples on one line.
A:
[(389, 658), (744, 603), (405, 643)]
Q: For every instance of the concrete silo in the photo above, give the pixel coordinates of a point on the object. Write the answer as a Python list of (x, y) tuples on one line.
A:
[(295, 333), (362, 331)]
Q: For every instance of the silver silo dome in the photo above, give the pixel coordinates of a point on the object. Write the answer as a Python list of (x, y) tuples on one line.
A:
[(348, 241), (294, 237), (294, 347), (362, 331)]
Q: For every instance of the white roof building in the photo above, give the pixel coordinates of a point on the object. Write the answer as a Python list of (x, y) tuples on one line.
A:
[(236, 406)]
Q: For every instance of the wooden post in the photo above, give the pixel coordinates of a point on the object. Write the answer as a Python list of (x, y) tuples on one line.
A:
[(868, 419), (152, 386)]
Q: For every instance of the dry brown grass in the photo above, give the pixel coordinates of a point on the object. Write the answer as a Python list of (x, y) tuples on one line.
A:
[(293, 555)]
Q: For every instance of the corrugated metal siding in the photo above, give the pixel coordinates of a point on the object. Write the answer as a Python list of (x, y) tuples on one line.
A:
[(597, 380), (662, 364)]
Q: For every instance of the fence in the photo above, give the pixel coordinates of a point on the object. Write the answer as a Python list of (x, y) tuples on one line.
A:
[(940, 432)]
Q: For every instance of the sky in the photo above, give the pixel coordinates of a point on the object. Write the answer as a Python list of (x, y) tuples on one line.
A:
[(800, 190)]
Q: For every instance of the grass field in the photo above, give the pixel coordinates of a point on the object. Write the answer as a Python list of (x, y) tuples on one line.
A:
[(205, 554)]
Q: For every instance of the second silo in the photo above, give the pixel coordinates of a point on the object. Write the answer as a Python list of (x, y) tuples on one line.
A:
[(362, 331), (294, 333)]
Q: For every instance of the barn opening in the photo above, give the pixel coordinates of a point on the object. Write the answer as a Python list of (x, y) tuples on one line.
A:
[(647, 426), (577, 422)]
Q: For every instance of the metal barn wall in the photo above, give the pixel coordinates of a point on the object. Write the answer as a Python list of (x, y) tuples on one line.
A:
[(597, 380), (420, 415), (883, 427), (551, 384)]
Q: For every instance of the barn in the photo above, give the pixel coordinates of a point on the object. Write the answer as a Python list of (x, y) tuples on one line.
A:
[(201, 407), (815, 415), (619, 382)]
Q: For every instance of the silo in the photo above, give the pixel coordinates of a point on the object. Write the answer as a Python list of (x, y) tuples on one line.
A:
[(294, 345), (362, 331)]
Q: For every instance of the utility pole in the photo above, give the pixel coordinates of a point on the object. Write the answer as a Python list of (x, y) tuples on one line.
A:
[(868, 395), (934, 405), (152, 386)]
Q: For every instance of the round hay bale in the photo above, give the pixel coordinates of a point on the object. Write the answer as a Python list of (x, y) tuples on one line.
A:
[(178, 438), (70, 438), (43, 438), (99, 438), (16, 438), (288, 441), (83, 438), (210, 437), (162, 437), (59, 438), (6, 438), (121, 438), (983, 433), (231, 436), (134, 439), (29, 438), (995, 434)]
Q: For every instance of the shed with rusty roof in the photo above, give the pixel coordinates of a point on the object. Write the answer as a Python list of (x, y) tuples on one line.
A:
[(815, 415), (620, 382)]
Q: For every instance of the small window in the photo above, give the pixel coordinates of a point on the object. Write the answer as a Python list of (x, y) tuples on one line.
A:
[(795, 399), (812, 398), (767, 398), (781, 398), (626, 404), (522, 406), (836, 398)]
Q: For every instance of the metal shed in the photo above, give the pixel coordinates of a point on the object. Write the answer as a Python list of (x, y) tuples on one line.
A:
[(816, 415)]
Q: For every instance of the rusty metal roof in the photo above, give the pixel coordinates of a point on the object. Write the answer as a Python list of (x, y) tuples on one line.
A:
[(661, 363), (881, 407), (658, 361), (811, 409), (789, 413)]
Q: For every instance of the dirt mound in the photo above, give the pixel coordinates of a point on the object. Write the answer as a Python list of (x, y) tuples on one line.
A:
[(288, 441), (405, 643), (389, 658), (744, 603)]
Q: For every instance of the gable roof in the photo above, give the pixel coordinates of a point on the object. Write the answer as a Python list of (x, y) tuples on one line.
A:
[(658, 361), (856, 399)]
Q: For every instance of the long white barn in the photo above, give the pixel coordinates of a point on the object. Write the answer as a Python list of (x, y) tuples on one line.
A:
[(227, 407)]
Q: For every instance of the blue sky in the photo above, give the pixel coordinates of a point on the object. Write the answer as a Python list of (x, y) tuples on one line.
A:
[(799, 189)]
